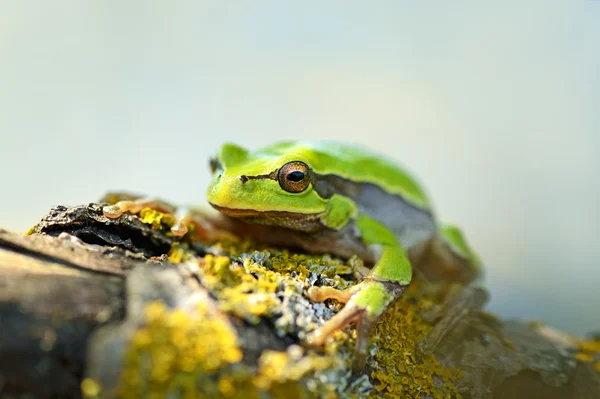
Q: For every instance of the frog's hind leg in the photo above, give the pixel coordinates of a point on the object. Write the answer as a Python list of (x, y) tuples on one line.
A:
[(449, 257), (320, 294)]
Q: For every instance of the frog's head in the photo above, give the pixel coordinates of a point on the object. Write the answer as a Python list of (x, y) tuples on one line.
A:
[(270, 187)]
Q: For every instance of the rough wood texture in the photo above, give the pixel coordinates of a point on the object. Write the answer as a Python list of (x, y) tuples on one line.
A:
[(73, 293)]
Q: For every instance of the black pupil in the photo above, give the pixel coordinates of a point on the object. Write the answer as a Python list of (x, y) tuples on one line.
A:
[(295, 176)]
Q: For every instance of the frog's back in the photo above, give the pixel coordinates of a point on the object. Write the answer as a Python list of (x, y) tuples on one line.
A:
[(355, 163)]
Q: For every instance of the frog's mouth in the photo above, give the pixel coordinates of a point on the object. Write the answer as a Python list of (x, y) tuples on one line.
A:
[(306, 222)]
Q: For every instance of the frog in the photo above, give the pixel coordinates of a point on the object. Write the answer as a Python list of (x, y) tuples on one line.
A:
[(339, 198)]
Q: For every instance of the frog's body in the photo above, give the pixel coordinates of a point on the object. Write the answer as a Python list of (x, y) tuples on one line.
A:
[(376, 186), (338, 198)]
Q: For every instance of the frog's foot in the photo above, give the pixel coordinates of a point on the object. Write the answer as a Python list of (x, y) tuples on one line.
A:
[(208, 227), (365, 303), (456, 307), (182, 216)]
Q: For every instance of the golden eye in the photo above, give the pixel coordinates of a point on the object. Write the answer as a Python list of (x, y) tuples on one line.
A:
[(294, 177)]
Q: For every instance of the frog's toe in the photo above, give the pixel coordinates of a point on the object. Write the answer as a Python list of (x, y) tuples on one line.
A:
[(351, 312), (369, 298), (179, 229), (319, 294), (183, 217), (112, 211), (116, 210)]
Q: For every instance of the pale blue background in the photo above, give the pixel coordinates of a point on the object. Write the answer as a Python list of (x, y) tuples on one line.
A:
[(493, 104)]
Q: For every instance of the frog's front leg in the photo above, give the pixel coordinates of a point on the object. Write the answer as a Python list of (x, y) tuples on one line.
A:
[(368, 300)]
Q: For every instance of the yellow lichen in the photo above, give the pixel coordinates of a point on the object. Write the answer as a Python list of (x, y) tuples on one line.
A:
[(401, 371), (90, 389), (589, 351), (590, 346), (196, 356), (249, 290), (584, 357), (180, 252), (174, 349), (281, 367), (156, 219)]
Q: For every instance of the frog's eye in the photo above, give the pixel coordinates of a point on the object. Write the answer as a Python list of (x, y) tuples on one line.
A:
[(294, 177)]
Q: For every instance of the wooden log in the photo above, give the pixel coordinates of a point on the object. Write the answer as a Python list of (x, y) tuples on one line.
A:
[(95, 307)]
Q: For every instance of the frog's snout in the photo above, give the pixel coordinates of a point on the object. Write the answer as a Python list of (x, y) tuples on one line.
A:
[(225, 190)]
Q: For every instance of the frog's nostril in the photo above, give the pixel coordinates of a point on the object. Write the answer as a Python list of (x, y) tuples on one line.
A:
[(244, 178)]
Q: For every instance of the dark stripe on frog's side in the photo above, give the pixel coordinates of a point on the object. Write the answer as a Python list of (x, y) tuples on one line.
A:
[(412, 225), (270, 176)]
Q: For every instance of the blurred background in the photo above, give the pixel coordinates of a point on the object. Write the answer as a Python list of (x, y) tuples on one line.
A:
[(493, 105)]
